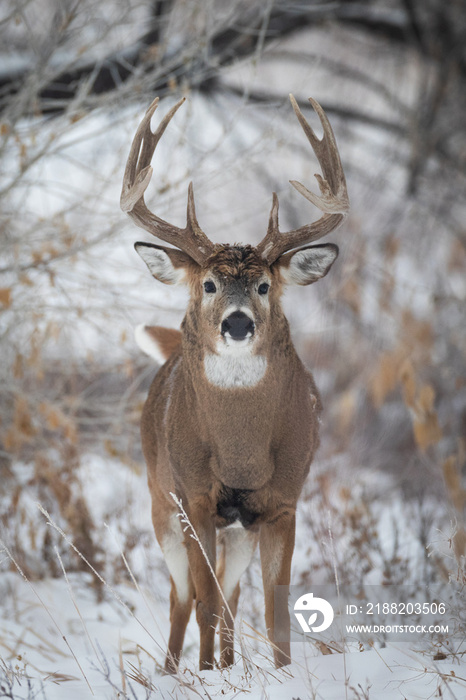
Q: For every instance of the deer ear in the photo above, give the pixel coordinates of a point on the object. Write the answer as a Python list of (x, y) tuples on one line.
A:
[(168, 265), (307, 265)]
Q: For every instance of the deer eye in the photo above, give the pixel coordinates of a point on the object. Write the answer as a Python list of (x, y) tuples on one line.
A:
[(263, 288), (210, 287)]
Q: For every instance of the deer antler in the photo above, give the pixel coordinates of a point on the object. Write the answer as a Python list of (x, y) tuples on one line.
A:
[(138, 172), (333, 201)]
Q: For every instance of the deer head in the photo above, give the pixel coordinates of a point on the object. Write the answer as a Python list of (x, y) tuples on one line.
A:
[(235, 290)]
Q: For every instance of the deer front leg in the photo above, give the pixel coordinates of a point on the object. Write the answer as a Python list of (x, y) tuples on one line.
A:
[(169, 533), (276, 550), (202, 556), (237, 546), (180, 612)]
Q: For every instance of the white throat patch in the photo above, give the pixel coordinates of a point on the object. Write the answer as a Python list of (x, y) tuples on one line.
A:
[(230, 370)]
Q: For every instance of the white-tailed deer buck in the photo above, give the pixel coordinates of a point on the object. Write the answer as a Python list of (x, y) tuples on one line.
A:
[(231, 421)]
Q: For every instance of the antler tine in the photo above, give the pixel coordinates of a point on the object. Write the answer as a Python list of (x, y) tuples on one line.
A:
[(138, 173), (333, 200)]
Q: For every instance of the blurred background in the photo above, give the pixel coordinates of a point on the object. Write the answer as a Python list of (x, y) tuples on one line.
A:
[(384, 333)]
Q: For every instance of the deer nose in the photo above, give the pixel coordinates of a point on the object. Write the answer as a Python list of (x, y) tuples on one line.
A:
[(238, 325)]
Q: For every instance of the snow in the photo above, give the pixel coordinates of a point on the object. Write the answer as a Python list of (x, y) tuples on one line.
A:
[(72, 646), (97, 634)]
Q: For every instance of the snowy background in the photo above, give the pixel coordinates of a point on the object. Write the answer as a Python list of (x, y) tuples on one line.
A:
[(83, 587)]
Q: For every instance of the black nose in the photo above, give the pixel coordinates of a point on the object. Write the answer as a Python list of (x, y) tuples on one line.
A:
[(238, 325)]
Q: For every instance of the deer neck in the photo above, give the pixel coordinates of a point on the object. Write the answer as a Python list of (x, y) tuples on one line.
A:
[(238, 398)]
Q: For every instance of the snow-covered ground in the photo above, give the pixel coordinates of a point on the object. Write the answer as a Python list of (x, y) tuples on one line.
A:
[(102, 635), (61, 643)]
